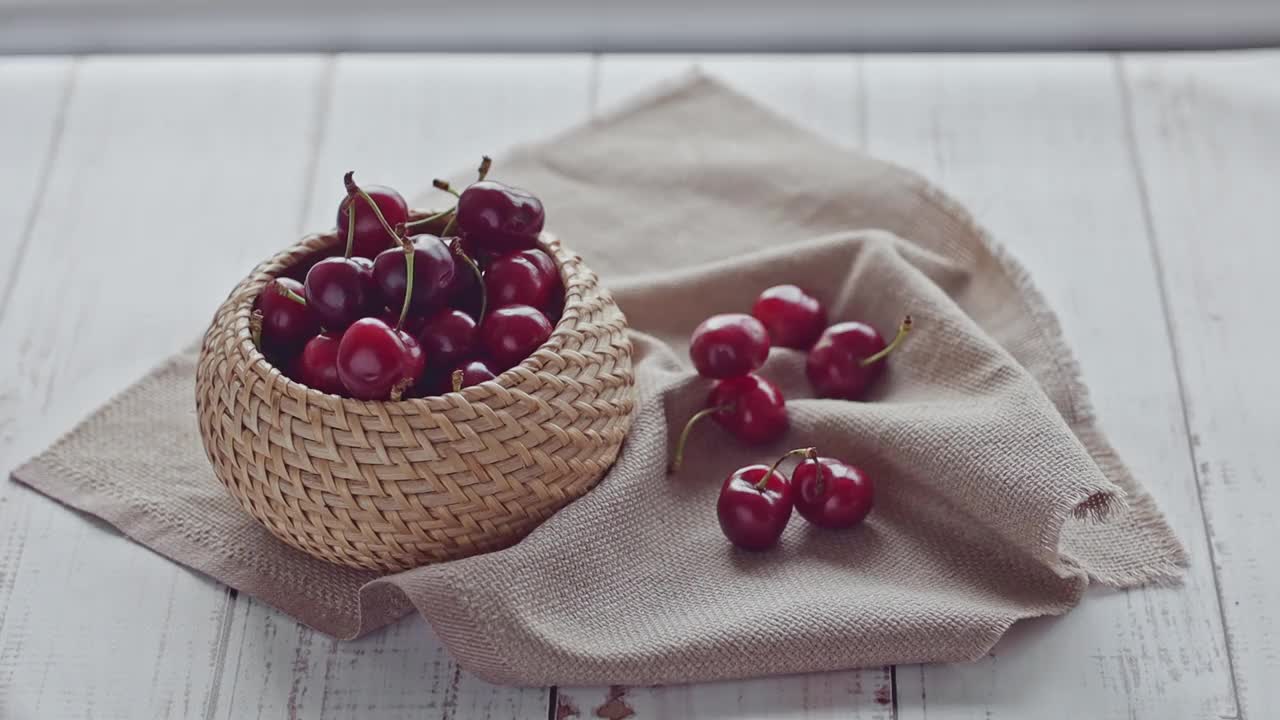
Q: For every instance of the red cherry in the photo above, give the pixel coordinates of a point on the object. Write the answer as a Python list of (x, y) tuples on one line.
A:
[(754, 507), (371, 235), (510, 334), (792, 317), (287, 322), (473, 372), (728, 345), (433, 274), (527, 277), (317, 365), (749, 407), (339, 291), (495, 216), (847, 358), (832, 494), (377, 362), (447, 337)]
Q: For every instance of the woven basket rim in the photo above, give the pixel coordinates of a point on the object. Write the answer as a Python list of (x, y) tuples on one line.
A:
[(573, 274)]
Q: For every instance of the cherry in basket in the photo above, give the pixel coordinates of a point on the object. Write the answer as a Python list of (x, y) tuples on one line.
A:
[(380, 209)]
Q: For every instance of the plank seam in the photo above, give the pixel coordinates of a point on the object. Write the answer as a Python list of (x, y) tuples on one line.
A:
[(1157, 259)]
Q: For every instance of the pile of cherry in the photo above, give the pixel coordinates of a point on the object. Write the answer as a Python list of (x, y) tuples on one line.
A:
[(843, 360), (406, 313)]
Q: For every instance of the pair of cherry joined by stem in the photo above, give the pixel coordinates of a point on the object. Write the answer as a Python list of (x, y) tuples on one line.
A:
[(756, 501)]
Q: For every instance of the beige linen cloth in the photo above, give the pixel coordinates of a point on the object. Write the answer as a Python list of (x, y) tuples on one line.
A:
[(998, 498)]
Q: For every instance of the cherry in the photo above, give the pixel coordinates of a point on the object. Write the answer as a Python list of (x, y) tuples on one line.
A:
[(750, 407), (447, 337), (496, 216), (317, 365), (471, 373), (378, 362), (847, 358), (510, 334), (378, 210), (412, 324), (792, 317), (728, 345), (831, 493), (287, 322), (433, 274), (339, 290), (755, 504), (467, 291), (526, 277)]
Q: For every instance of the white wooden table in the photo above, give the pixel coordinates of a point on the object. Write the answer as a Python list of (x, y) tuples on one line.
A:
[(1143, 192)]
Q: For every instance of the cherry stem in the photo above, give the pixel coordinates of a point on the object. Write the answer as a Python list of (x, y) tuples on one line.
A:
[(281, 289), (808, 453), (353, 189), (445, 186), (903, 329), (486, 162), (397, 390), (456, 380), (456, 247), (351, 226), (255, 327), (421, 225), (677, 459), (408, 274)]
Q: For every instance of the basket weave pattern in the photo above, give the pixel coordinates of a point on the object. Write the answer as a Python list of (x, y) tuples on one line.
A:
[(395, 485)]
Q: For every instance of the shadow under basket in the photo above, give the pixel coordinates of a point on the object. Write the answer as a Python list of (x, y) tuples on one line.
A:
[(395, 485)]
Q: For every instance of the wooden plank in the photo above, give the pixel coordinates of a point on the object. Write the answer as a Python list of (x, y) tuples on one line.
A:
[(170, 175), (1035, 147), (1207, 132), (448, 110), (822, 94)]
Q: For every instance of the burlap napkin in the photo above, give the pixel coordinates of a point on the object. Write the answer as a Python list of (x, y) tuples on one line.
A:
[(998, 497)]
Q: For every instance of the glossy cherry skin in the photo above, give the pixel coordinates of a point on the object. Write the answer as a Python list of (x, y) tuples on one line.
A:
[(339, 291), (447, 337), (317, 365), (754, 518), (834, 365), (286, 323), (729, 345), (510, 334), (793, 318), (373, 358), (371, 237), (434, 268), (832, 494), (495, 216), (475, 372), (755, 410), (527, 277)]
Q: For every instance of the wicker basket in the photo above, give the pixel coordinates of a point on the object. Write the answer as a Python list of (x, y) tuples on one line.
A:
[(395, 485)]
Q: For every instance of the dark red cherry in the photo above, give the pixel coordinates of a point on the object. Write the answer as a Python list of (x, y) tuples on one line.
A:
[(510, 334), (527, 277), (495, 216), (848, 357), (447, 337), (830, 493), (751, 408), (377, 362), (339, 291), (792, 317), (434, 269), (371, 236), (317, 365), (412, 323), (475, 372), (754, 507), (287, 322), (729, 345)]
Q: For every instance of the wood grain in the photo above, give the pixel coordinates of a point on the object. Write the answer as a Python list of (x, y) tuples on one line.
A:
[(1036, 149), (165, 181), (823, 95), (448, 112), (1207, 131)]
